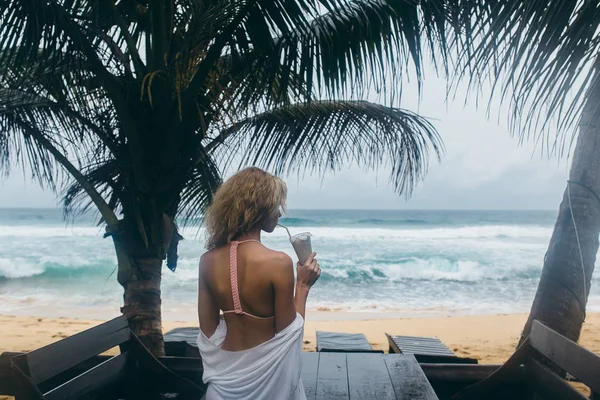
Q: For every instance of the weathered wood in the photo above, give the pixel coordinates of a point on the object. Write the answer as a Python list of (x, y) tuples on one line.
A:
[(7, 378), (310, 370), (407, 377), (332, 380), (550, 384), (57, 357), (100, 377), (368, 377), (425, 350), (568, 355), (162, 377), (343, 342), (419, 338), (464, 373), (181, 342), (72, 368), (186, 367), (507, 370)]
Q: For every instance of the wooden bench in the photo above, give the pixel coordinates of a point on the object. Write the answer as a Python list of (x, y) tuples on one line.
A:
[(344, 342), (53, 372), (543, 348), (345, 376), (181, 342), (425, 349)]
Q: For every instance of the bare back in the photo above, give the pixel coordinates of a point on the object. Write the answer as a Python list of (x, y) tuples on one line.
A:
[(261, 276)]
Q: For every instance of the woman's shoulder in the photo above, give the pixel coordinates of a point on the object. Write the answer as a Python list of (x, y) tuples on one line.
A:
[(273, 258)]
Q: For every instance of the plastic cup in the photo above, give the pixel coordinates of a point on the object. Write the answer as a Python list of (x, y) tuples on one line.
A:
[(302, 246)]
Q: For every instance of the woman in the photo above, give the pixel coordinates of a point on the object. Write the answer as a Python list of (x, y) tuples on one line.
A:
[(253, 350)]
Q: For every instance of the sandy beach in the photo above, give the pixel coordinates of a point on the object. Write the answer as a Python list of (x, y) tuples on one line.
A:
[(491, 339)]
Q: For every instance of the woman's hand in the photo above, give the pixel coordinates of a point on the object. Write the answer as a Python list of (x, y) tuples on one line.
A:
[(309, 272)]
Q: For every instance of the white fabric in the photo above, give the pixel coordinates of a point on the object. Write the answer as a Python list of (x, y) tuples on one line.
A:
[(268, 371)]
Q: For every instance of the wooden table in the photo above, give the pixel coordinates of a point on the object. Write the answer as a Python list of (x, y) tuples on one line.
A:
[(364, 376)]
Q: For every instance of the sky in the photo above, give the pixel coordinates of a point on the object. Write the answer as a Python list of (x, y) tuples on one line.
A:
[(483, 167)]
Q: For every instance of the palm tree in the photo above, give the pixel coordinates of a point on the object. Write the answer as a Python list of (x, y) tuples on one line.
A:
[(138, 101), (544, 57)]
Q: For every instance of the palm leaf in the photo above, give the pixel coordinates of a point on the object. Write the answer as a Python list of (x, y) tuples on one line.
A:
[(20, 113), (198, 191), (343, 47), (542, 56), (103, 176), (320, 135)]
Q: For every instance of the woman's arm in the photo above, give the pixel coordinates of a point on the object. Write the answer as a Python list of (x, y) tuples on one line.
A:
[(208, 311), (287, 303), (283, 288)]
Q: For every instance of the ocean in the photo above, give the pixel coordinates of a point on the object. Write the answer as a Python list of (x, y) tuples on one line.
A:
[(401, 263)]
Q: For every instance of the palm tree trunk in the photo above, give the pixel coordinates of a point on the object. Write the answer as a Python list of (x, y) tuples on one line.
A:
[(564, 286), (140, 278), (142, 304)]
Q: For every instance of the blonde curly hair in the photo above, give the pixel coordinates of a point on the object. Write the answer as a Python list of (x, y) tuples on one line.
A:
[(244, 200)]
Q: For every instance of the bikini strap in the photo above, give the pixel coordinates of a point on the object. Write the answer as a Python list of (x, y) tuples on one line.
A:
[(237, 305), (233, 275)]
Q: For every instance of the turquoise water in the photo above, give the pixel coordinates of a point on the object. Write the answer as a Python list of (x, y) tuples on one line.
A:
[(406, 262)]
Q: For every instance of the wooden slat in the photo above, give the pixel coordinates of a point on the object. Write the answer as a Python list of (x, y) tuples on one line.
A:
[(431, 351), (332, 379), (407, 377), (568, 355), (393, 346), (368, 377), (437, 346), (101, 377), (463, 373), (416, 346), (57, 357), (426, 358), (418, 338), (310, 368), (550, 384), (343, 342)]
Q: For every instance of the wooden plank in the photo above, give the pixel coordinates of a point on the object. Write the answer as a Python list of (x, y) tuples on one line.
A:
[(568, 355), (368, 377), (463, 373), (507, 370), (431, 338), (433, 349), (310, 368), (550, 384), (423, 346), (181, 342), (393, 346), (57, 357), (101, 377), (7, 378), (162, 377), (407, 377), (332, 379)]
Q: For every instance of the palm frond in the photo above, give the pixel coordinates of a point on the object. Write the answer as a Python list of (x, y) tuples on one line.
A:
[(542, 56), (343, 47), (320, 135), (198, 191), (21, 113), (103, 176), (358, 44)]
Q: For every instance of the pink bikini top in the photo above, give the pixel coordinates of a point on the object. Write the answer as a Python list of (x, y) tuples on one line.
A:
[(237, 305)]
